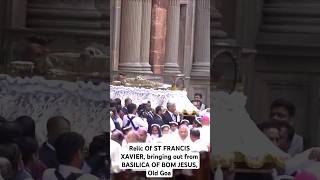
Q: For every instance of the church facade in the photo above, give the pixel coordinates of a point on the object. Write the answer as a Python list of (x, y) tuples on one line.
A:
[(163, 38)]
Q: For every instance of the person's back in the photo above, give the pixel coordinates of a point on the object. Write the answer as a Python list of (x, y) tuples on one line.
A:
[(70, 150)]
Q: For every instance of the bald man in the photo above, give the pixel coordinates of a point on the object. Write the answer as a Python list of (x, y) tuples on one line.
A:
[(143, 134), (183, 134)]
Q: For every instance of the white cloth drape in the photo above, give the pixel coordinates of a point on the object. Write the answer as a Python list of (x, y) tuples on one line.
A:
[(156, 97)]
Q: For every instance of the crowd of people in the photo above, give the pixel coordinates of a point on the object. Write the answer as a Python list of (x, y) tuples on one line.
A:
[(141, 123), (64, 156), (280, 130)]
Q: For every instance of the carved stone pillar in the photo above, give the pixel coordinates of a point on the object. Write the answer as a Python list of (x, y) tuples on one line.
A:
[(130, 39), (145, 35), (201, 64), (115, 32), (158, 34), (172, 38), (216, 24)]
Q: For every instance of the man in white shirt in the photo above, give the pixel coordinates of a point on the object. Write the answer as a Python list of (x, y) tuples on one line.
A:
[(184, 135), (115, 149), (205, 130), (197, 145), (132, 120), (284, 110), (70, 150)]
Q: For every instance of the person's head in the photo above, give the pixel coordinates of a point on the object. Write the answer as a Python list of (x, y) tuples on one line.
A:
[(197, 97), (173, 126), (194, 134), (286, 135), (143, 133), (70, 149), (132, 108), (11, 152), (271, 130), (117, 136), (282, 110), (132, 137), (180, 84), (185, 122), (9, 132), (205, 121), (165, 129), (29, 150), (160, 110), (197, 103), (120, 112), (183, 132), (148, 106), (27, 125), (5, 168), (113, 106), (98, 145), (55, 126), (155, 130), (117, 101), (127, 101), (171, 106)]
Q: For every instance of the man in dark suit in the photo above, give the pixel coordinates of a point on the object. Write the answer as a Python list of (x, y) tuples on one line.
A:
[(158, 116), (127, 101), (170, 114), (55, 127)]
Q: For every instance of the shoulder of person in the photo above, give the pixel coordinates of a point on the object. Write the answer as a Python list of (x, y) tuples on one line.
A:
[(48, 173)]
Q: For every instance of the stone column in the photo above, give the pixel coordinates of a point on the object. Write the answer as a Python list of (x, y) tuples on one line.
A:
[(145, 35), (130, 42), (201, 64), (115, 32), (172, 38), (216, 24), (158, 34)]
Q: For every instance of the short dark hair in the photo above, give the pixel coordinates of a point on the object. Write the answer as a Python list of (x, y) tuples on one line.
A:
[(286, 104), (9, 131), (27, 126), (118, 101), (28, 146), (291, 131), (52, 122), (195, 132), (131, 107), (127, 100), (198, 94), (67, 145), (113, 103), (268, 125), (98, 145), (158, 108)]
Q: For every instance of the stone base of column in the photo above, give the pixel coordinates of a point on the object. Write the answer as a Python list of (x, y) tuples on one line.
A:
[(135, 67), (200, 69), (145, 68), (171, 68)]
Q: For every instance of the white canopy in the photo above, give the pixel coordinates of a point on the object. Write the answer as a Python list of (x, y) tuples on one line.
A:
[(234, 131), (156, 97)]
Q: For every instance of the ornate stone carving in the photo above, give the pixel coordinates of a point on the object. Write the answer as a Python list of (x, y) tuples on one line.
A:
[(42, 99)]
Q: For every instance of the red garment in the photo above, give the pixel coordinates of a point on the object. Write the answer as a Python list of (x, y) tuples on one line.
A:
[(37, 170), (305, 176)]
